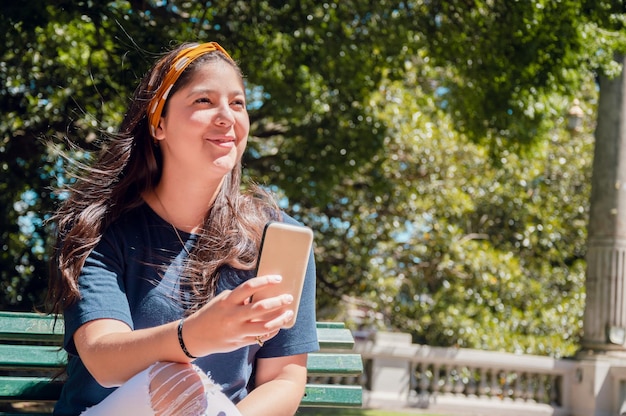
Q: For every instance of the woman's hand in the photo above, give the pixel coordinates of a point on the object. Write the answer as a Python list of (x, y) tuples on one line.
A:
[(234, 319), (231, 320)]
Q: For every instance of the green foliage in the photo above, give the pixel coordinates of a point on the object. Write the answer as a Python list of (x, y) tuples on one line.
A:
[(56, 81), (319, 64), (423, 141), (505, 56), (68, 72), (483, 255)]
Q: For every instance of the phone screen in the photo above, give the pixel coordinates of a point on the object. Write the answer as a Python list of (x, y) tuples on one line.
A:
[(285, 250)]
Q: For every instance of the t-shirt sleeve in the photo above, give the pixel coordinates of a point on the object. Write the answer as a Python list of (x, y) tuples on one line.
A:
[(302, 337), (102, 291)]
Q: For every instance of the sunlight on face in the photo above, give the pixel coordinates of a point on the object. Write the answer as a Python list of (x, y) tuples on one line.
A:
[(204, 132)]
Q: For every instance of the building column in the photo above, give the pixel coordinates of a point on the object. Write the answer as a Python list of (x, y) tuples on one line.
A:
[(604, 322)]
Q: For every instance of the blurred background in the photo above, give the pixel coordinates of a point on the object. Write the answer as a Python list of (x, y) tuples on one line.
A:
[(441, 150)]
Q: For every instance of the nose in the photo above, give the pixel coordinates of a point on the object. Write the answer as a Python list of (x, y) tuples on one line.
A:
[(224, 115)]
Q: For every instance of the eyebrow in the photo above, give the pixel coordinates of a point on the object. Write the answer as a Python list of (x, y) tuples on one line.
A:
[(196, 91)]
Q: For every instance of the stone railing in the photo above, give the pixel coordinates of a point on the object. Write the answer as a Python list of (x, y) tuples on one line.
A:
[(466, 381)]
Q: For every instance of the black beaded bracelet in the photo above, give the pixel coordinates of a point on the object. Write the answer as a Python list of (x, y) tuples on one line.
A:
[(180, 339)]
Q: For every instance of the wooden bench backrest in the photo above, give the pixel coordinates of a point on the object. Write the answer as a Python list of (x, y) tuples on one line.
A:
[(30, 356)]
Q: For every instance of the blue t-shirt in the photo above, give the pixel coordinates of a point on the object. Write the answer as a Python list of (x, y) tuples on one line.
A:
[(132, 276)]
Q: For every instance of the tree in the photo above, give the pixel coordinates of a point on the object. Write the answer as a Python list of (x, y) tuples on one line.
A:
[(507, 57), (484, 255), (68, 68), (56, 82), (421, 140), (512, 64)]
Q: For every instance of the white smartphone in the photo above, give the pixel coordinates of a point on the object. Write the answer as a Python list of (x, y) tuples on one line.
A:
[(285, 250)]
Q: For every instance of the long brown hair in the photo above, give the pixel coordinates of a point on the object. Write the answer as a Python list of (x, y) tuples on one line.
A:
[(128, 165)]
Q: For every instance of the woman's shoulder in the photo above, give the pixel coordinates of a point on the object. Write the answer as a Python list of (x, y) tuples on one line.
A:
[(288, 219)]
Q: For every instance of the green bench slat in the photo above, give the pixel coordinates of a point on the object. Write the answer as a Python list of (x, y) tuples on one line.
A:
[(334, 364), (322, 324), (41, 328), (32, 356), (24, 414), (18, 326), (319, 395), (39, 337), (36, 356), (332, 395), (29, 356), (316, 395), (29, 388), (335, 338), (29, 413)]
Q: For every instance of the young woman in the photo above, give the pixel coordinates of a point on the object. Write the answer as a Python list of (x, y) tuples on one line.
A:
[(156, 252)]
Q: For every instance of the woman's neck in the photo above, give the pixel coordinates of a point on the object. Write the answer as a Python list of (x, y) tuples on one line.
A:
[(182, 205)]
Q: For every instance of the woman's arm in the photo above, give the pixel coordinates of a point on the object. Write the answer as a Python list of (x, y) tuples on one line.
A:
[(113, 353), (279, 388)]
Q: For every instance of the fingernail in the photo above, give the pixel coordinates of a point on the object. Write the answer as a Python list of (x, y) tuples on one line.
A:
[(288, 298), (276, 278), (289, 315)]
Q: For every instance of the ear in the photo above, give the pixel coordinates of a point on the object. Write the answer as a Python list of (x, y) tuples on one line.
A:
[(160, 133)]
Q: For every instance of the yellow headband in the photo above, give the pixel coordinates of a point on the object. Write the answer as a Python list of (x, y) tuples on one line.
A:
[(182, 60)]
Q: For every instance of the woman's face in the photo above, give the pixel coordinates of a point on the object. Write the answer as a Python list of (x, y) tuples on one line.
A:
[(205, 129)]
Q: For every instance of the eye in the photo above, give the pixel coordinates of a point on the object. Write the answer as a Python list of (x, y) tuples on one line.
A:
[(203, 100), (239, 103)]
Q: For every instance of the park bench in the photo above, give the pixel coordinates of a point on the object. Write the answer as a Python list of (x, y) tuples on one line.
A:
[(30, 357)]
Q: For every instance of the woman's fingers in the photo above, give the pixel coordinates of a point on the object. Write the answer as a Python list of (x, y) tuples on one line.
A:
[(281, 320), (244, 293), (270, 304), (269, 315), (244, 320), (262, 338)]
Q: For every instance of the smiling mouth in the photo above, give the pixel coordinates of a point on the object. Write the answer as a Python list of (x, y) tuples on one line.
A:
[(224, 142)]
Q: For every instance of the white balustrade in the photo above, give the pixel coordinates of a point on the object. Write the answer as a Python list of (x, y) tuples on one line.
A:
[(462, 381), (401, 374)]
